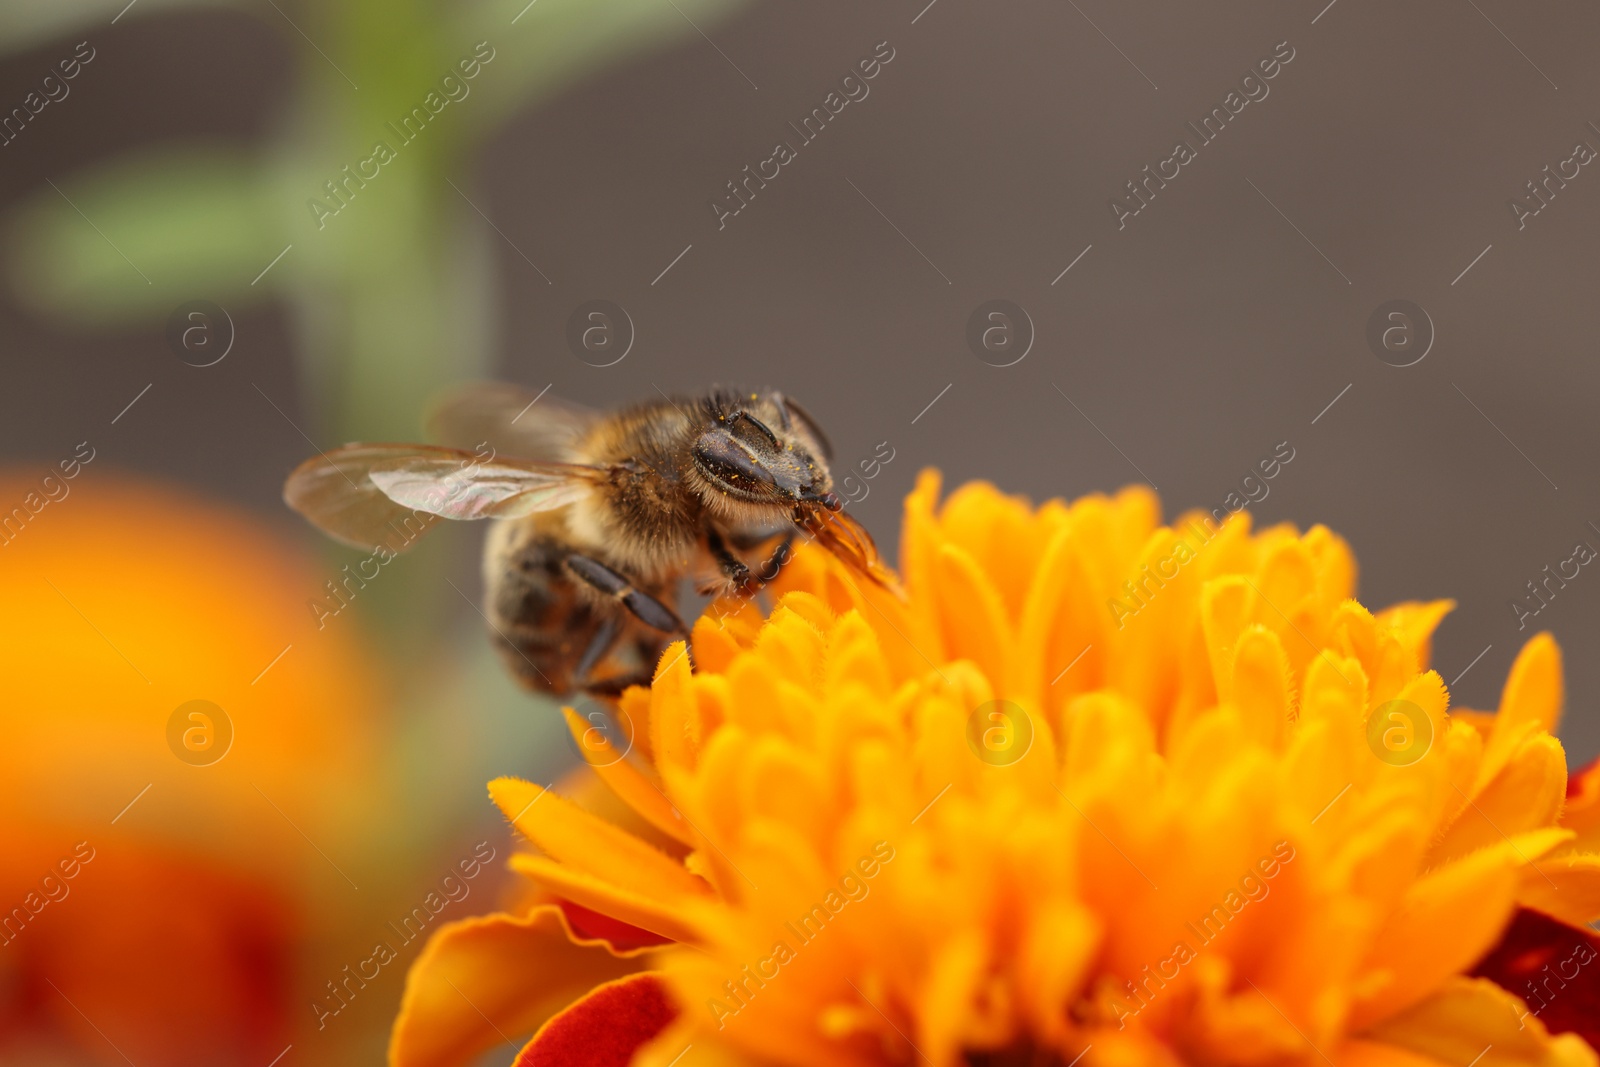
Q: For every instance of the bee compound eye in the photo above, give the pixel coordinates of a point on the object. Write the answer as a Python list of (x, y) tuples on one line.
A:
[(728, 463)]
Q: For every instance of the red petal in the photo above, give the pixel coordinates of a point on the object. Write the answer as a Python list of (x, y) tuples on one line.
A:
[(593, 925), (605, 1028), (1585, 783), (1555, 968)]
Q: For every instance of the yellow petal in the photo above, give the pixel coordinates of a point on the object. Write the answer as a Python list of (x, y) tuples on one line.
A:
[(1219, 716), (1335, 563), (1226, 608), (997, 531), (1389, 664), (1047, 601), (715, 643), (976, 626), (948, 999), (627, 781), (1054, 964), (920, 536), (1527, 794), (1462, 748), (777, 779), (672, 705), (855, 655), (1413, 623), (1260, 686), (1447, 921), (590, 844)]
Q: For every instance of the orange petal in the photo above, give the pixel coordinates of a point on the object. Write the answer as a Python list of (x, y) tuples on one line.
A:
[(1583, 806), (605, 1028), (617, 935), (480, 979), (635, 909), (1531, 699), (1378, 1054), (1473, 1020)]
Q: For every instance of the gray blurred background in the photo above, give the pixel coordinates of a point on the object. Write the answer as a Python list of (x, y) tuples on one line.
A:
[(1219, 322)]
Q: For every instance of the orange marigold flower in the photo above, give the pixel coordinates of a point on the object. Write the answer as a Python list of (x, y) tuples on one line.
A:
[(1097, 791)]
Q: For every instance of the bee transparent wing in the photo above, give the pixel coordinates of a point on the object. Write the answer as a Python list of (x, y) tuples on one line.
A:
[(497, 489), (849, 542), (365, 495), (512, 420)]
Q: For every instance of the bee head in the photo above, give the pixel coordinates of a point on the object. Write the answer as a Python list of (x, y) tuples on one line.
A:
[(762, 449)]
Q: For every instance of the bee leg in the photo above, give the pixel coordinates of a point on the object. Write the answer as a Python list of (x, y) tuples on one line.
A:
[(646, 608), (602, 641), (650, 651), (775, 562), (733, 568), (612, 688)]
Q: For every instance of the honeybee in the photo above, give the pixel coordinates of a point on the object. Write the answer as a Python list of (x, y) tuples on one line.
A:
[(598, 516)]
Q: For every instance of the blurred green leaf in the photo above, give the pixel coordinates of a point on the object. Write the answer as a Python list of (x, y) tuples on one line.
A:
[(29, 23), (554, 43), (134, 238), (160, 228)]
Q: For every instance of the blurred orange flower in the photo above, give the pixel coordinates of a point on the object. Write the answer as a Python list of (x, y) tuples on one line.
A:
[(160, 878)]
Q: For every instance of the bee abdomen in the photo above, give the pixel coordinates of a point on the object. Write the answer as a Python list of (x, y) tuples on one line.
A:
[(532, 609)]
